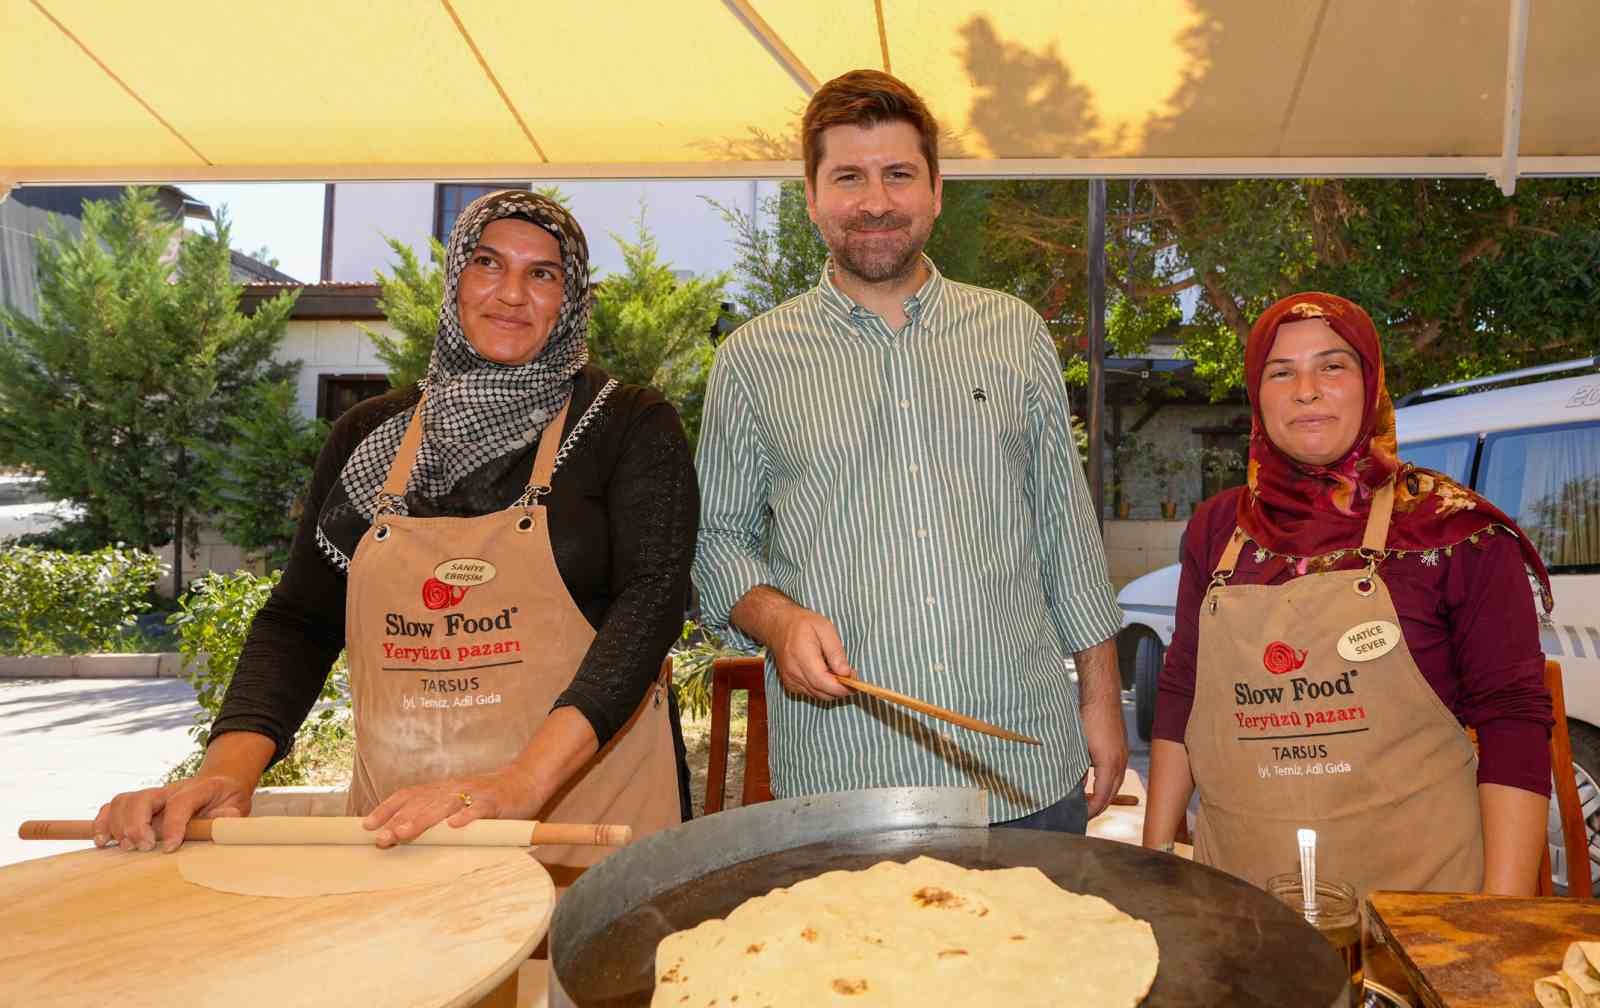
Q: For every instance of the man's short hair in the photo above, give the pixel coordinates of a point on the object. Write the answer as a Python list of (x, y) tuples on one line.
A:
[(866, 98)]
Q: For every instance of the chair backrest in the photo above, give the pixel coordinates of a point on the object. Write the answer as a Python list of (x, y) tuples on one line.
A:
[(1574, 832), (727, 676)]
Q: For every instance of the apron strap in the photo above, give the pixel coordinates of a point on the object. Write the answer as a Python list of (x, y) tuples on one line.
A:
[(1377, 534), (1230, 555), (544, 463), (394, 484), (1373, 540)]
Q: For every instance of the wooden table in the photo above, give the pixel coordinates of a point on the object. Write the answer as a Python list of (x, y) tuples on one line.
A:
[(1469, 951), (107, 927)]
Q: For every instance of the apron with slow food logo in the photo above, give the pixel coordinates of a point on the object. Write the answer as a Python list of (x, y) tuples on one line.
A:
[(1309, 711), (460, 636)]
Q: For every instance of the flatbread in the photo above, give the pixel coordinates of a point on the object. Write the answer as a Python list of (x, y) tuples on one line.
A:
[(1578, 983), (325, 870), (917, 934)]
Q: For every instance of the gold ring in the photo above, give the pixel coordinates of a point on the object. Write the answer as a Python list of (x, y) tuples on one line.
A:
[(466, 799)]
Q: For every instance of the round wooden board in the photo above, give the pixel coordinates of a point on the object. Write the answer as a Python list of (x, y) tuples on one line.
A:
[(105, 926)]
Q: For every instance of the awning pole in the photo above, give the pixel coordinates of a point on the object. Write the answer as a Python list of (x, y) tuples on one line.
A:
[(1516, 69), (1097, 344), (6, 185)]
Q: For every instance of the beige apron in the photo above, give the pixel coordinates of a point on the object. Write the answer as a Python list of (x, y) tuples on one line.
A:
[(460, 635), (1287, 732)]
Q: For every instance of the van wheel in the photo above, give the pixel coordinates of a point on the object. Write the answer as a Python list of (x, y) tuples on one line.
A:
[(1127, 646), (1586, 769), (1148, 654)]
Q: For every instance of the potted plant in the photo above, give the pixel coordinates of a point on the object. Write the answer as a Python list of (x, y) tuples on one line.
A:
[(1167, 466), (1125, 457), (1222, 467)]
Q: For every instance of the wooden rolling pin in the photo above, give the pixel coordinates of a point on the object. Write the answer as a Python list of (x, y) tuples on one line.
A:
[(348, 831)]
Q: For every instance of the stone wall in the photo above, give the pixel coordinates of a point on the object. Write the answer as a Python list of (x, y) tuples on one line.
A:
[(1172, 429), (1135, 548), (212, 553)]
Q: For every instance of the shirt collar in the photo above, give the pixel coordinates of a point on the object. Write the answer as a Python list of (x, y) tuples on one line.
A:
[(918, 306)]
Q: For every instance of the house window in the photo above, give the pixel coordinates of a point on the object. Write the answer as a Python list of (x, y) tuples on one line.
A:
[(338, 392), (450, 200)]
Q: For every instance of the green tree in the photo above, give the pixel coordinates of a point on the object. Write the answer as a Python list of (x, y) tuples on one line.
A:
[(651, 328), (260, 473), (136, 358), (410, 299), (264, 256), (1461, 280), (777, 261)]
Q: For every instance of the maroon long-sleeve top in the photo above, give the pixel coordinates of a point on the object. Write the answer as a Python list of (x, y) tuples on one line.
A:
[(1468, 618)]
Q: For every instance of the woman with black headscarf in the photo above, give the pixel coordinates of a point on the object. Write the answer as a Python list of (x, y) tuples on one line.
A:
[(503, 553)]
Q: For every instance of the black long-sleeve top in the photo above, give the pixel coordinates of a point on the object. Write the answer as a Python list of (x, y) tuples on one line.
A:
[(624, 511)]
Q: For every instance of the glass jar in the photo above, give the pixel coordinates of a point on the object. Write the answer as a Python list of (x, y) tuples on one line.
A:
[(1336, 916)]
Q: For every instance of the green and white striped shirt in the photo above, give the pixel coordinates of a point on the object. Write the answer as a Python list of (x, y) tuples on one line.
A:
[(921, 490)]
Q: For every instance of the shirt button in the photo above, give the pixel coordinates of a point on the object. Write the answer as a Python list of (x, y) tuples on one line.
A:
[(914, 469), (929, 600), (922, 533), (938, 670), (905, 404)]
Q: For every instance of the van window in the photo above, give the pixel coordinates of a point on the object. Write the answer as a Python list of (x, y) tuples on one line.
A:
[(1451, 456), (1548, 479)]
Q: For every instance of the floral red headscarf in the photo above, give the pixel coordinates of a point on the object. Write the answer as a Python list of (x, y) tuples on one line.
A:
[(1307, 515)]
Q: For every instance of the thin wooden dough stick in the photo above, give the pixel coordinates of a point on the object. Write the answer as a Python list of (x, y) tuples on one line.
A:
[(935, 711)]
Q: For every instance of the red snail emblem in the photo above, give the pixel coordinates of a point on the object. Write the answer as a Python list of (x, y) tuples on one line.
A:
[(1281, 658), (438, 595)]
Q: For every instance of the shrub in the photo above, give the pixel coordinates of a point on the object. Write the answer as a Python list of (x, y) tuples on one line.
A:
[(692, 656), (257, 477), (212, 622), (68, 603)]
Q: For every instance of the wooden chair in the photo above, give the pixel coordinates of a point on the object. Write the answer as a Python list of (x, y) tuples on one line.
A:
[(1574, 834), (728, 675)]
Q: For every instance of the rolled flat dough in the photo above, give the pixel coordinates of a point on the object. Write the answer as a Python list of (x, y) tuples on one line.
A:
[(325, 870), (915, 934)]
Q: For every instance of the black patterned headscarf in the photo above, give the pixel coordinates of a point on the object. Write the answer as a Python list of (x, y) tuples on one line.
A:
[(477, 411)]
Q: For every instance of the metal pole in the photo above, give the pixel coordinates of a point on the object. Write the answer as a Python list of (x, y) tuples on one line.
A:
[(1097, 344)]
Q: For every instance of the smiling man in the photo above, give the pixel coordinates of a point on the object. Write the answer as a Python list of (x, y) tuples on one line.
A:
[(890, 489)]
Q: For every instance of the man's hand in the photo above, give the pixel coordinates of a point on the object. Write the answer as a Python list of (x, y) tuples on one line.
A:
[(804, 644), (1100, 708)]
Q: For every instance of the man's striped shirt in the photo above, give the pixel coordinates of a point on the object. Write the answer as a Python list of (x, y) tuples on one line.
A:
[(921, 489)]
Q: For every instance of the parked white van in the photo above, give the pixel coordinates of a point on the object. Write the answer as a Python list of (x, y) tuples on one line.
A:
[(1530, 442)]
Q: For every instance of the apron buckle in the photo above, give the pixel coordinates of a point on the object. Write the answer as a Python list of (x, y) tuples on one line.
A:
[(530, 497), (1366, 584)]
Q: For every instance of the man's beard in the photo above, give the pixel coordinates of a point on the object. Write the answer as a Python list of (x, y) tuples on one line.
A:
[(883, 262)]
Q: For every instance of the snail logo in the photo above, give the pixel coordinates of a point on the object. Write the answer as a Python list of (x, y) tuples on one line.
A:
[(1281, 658), (451, 579), (979, 395)]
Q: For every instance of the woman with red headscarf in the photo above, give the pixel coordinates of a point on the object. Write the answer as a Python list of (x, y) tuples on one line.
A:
[(1341, 620)]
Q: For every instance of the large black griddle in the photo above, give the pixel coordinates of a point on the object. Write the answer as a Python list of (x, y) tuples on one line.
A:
[(1222, 941)]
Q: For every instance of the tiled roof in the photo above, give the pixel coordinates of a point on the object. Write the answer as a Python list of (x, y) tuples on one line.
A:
[(332, 300)]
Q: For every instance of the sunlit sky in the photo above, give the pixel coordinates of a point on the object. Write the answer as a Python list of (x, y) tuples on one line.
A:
[(286, 217)]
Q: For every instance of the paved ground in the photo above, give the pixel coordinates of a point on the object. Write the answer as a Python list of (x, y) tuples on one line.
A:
[(67, 745)]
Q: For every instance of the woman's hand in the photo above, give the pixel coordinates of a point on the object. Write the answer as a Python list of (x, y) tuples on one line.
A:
[(135, 820), (222, 787), (507, 793)]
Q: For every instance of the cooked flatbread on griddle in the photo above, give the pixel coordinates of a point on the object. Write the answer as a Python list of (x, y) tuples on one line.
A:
[(911, 934)]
